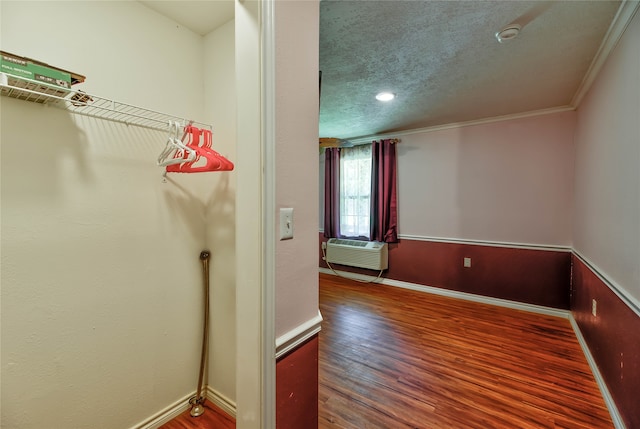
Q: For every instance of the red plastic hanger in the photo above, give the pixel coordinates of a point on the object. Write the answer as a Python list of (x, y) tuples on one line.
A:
[(206, 158), (207, 141)]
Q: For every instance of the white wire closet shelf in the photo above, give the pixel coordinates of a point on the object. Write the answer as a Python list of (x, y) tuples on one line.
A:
[(88, 104)]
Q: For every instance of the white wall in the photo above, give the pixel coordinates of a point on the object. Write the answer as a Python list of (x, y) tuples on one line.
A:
[(506, 181), (607, 180), (101, 281), (297, 25), (220, 110)]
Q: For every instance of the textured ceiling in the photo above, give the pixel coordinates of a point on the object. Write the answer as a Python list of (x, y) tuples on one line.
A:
[(440, 57), (442, 60)]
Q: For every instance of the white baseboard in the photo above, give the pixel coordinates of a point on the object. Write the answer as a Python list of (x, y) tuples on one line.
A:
[(608, 399), (165, 415), (221, 401), (181, 405), (459, 295)]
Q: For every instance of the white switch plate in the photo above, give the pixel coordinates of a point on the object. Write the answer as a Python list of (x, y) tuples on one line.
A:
[(467, 262), (286, 223), (594, 307)]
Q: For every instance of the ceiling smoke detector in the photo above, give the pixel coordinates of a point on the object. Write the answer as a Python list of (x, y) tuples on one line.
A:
[(509, 32)]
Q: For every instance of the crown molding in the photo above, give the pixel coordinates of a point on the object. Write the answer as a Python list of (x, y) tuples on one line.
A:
[(370, 138), (620, 22)]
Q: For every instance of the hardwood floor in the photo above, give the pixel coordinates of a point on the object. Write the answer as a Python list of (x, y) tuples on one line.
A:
[(394, 358), (212, 418)]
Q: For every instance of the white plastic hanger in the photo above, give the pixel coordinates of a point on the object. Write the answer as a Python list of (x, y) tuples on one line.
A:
[(175, 151)]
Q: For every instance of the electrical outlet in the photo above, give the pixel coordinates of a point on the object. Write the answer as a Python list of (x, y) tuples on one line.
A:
[(594, 307), (467, 262)]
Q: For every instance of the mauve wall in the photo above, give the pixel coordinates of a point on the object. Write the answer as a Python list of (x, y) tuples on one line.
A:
[(297, 387), (612, 336)]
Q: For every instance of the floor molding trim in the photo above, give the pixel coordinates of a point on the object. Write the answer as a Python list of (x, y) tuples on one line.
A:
[(181, 405), (565, 314), (298, 335), (166, 414), (608, 399), (221, 401)]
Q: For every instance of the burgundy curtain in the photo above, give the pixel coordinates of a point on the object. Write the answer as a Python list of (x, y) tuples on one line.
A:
[(332, 192), (384, 205)]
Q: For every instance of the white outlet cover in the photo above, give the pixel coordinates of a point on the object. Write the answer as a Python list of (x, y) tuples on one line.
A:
[(286, 223), (467, 262)]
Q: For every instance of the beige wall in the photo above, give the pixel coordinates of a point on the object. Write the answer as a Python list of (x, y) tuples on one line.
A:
[(250, 292), (607, 180), (101, 281), (220, 110)]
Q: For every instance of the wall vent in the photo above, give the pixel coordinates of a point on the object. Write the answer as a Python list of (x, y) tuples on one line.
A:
[(372, 255)]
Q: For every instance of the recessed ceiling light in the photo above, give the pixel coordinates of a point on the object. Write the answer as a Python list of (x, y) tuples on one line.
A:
[(385, 96), (509, 32)]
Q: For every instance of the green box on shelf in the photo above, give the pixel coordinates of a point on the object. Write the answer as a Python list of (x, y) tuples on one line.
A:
[(42, 77), (25, 68)]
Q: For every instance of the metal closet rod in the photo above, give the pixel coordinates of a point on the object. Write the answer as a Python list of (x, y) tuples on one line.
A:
[(92, 105)]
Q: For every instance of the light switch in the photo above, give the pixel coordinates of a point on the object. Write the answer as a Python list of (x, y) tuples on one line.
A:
[(467, 262), (286, 223)]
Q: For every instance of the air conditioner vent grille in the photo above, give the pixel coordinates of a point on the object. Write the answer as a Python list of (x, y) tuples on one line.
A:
[(372, 255), (355, 243)]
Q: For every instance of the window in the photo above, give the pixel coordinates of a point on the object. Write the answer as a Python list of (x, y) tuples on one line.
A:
[(355, 191), (351, 208)]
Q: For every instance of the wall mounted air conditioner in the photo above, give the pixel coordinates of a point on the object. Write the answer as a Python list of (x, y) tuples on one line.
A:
[(363, 254)]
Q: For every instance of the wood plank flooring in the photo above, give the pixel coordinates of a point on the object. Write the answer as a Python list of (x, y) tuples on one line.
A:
[(212, 418), (394, 358)]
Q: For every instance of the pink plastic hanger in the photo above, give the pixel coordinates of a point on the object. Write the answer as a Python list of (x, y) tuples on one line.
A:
[(207, 141), (206, 159)]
